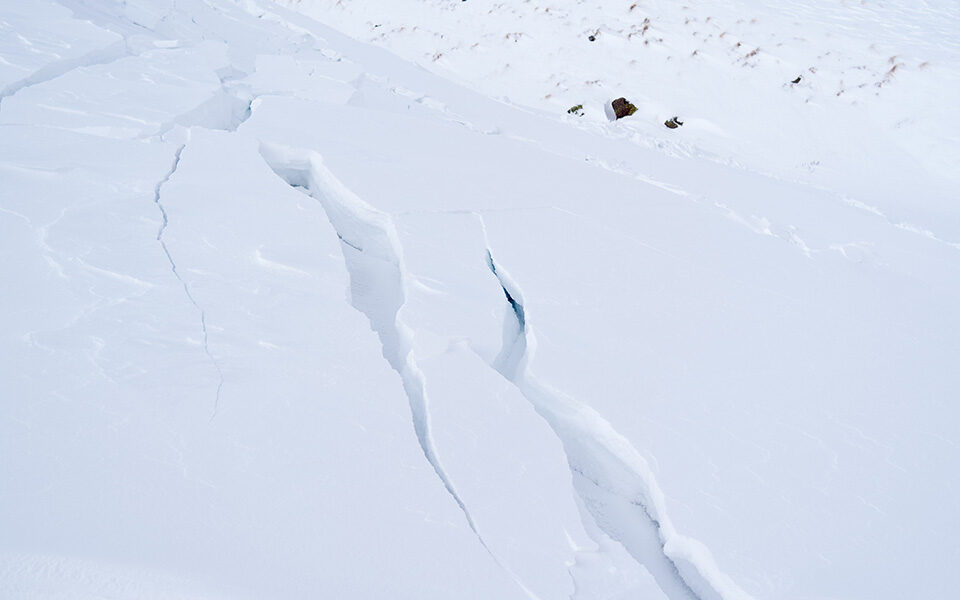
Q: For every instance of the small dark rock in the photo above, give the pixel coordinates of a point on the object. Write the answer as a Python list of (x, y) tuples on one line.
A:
[(576, 110), (623, 108), (673, 123), (797, 80), (592, 38)]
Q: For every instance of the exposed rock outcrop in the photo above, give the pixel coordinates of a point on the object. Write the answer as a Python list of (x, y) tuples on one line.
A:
[(623, 108)]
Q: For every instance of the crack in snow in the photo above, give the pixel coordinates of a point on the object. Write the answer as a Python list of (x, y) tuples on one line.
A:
[(99, 56), (612, 479), (610, 476), (225, 110), (186, 288), (374, 261)]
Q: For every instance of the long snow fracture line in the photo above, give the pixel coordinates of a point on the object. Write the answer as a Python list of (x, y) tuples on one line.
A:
[(186, 288), (374, 261), (611, 477), (614, 480)]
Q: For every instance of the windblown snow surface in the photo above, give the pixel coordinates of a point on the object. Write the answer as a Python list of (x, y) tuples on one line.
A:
[(288, 313)]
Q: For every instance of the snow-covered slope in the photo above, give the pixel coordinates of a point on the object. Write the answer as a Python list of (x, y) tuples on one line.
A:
[(287, 316), (872, 74)]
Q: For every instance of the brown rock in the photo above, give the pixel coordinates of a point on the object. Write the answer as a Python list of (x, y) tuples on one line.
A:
[(622, 108), (673, 123)]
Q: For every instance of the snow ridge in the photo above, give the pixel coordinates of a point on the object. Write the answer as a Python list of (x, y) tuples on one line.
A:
[(186, 288), (611, 477)]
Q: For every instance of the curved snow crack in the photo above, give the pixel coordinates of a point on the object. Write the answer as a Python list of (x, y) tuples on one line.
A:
[(610, 476), (186, 288), (98, 56), (374, 260)]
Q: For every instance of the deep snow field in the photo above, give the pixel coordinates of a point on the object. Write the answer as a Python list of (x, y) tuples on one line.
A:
[(333, 299)]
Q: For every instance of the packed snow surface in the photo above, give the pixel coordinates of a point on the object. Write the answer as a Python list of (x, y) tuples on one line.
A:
[(333, 299)]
